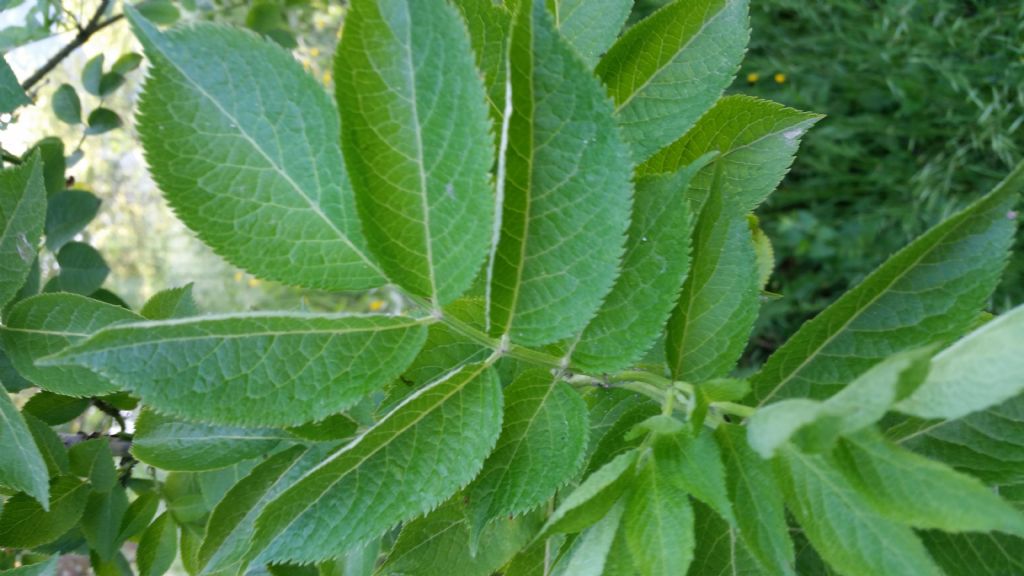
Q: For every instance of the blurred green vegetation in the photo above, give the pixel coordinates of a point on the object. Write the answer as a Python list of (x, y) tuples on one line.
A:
[(925, 105)]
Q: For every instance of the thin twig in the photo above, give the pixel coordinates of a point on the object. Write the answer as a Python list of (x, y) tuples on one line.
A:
[(96, 23)]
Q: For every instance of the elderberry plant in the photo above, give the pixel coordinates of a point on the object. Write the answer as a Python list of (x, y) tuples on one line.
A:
[(565, 210)]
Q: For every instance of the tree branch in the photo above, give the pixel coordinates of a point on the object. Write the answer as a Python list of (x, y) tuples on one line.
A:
[(96, 23), (119, 445)]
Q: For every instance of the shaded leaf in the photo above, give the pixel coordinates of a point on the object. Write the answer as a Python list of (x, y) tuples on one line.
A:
[(66, 105), (82, 270), (171, 444), (67, 214), (21, 465), (25, 524), (22, 213)]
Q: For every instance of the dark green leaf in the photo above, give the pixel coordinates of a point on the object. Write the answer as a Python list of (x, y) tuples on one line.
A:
[(93, 461), (21, 465), (110, 82), (126, 63), (55, 409), (67, 214), (11, 94), (66, 105), (102, 120), (171, 444), (25, 524), (101, 522), (92, 75)]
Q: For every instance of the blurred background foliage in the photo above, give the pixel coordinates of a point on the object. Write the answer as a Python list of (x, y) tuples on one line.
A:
[(925, 102)]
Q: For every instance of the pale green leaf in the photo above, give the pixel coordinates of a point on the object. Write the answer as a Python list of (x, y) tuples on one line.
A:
[(658, 520), (834, 513), (252, 369), (589, 553), (67, 213), (11, 94), (931, 290), (416, 136), (66, 105), (82, 270), (101, 521), (22, 213), (654, 266), (170, 303), (815, 425), (983, 369), (590, 26), (21, 465), (923, 493), (757, 139), (158, 11), (439, 543), (757, 502), (710, 324), (541, 447), (985, 444), (764, 251), (172, 444), (434, 443), (696, 463), (566, 194), (46, 324), (252, 164), (592, 499), (24, 523), (669, 69), (158, 546)]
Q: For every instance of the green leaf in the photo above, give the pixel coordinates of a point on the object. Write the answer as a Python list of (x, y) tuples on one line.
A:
[(21, 465), (252, 369), (66, 105), (25, 524), (757, 139), (138, 515), (541, 447), (101, 522), (82, 270), (92, 75), (834, 513), (126, 63), (592, 499), (929, 291), (22, 213), (489, 23), (756, 501), (46, 567), (161, 12), (170, 303), (696, 464), (11, 94), (110, 82), (268, 205), (435, 441), (55, 409), (421, 182), (93, 461), (171, 444), (158, 546), (914, 490), (985, 444), (52, 151), (50, 446), (233, 521), (592, 551), (710, 324), (67, 214), (719, 548), (666, 71), (102, 120), (565, 196), (980, 370), (48, 323), (334, 427), (815, 426), (764, 251), (655, 263), (975, 554), (590, 26), (442, 539), (658, 520)]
